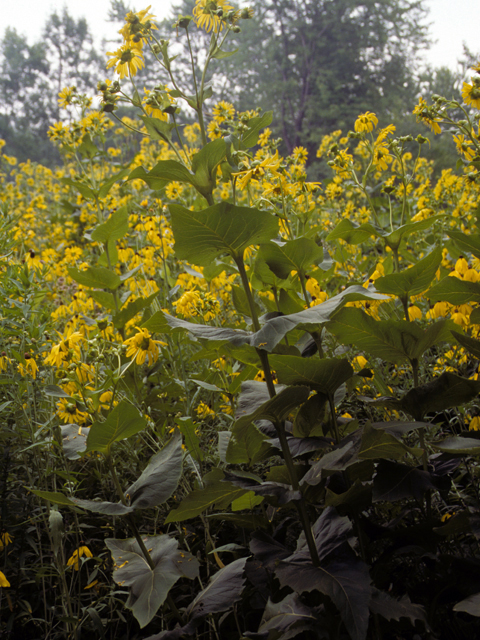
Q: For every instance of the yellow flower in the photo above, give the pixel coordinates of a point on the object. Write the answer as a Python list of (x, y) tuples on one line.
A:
[(257, 169), (425, 114), (174, 190), (203, 410), (74, 560), (137, 26), (300, 155), (5, 540), (366, 122), (474, 424), (68, 411), (128, 58), (189, 304), (223, 111), (204, 16), (3, 580), (471, 94), (141, 346), (30, 367), (66, 96), (414, 313)]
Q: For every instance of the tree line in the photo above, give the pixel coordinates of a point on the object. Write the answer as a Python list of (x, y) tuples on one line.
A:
[(316, 63)]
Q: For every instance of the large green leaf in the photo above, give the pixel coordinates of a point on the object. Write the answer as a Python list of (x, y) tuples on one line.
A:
[(149, 587), (325, 376), (200, 500), (95, 277), (158, 129), (448, 390), (284, 257), (121, 318), (466, 243), (255, 125), (470, 344), (352, 233), (287, 617), (124, 421), (385, 339), (470, 605), (411, 281), (377, 444), (459, 445), (454, 291), (275, 329), (112, 229), (202, 236), (160, 478)]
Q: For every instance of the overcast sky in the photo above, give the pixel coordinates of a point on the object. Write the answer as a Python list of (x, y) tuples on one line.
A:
[(453, 22)]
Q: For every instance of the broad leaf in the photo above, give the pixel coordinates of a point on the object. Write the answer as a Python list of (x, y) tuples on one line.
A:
[(378, 444), (325, 376), (470, 344), (344, 580), (121, 318), (392, 609), (124, 421), (292, 255), (107, 508), (202, 236), (149, 587), (200, 500), (112, 229), (448, 390), (454, 291), (459, 445), (222, 592), (466, 243), (288, 618), (95, 277), (281, 492), (394, 481), (411, 281), (352, 233), (274, 330), (74, 440), (160, 478), (255, 125)]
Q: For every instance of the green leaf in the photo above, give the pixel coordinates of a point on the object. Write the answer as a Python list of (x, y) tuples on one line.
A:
[(103, 298), (163, 172), (383, 339), (205, 163), (149, 587), (411, 281), (394, 238), (459, 445), (107, 508), (95, 277), (105, 187), (274, 330), (471, 344), (325, 376), (121, 318), (289, 617), (202, 236), (124, 421), (284, 257), (221, 593), (112, 229), (200, 500), (55, 391), (466, 243), (158, 129), (448, 390), (377, 444), (188, 429), (82, 188), (54, 497), (454, 291), (352, 233), (255, 125), (74, 440), (160, 478)]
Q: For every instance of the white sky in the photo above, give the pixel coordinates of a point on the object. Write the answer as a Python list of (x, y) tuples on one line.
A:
[(452, 21)]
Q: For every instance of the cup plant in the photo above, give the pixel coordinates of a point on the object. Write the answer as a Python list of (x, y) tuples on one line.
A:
[(261, 388)]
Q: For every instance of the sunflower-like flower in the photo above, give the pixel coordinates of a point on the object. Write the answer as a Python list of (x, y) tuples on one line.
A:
[(426, 115), (141, 346), (128, 58), (471, 94), (366, 122), (205, 16), (74, 560), (257, 169), (137, 26), (3, 580)]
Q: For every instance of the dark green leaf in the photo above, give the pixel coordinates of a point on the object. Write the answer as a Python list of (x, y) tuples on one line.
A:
[(284, 257), (394, 481), (160, 478), (325, 376), (202, 236), (411, 281), (454, 291), (471, 344), (466, 243), (255, 125), (74, 440), (459, 445), (124, 421), (107, 508), (391, 609), (470, 605), (222, 592), (378, 444), (289, 616), (149, 587)]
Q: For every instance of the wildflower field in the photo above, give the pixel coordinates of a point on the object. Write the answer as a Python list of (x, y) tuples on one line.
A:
[(237, 403)]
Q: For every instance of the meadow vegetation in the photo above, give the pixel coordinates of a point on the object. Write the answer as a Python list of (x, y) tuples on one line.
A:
[(236, 402)]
